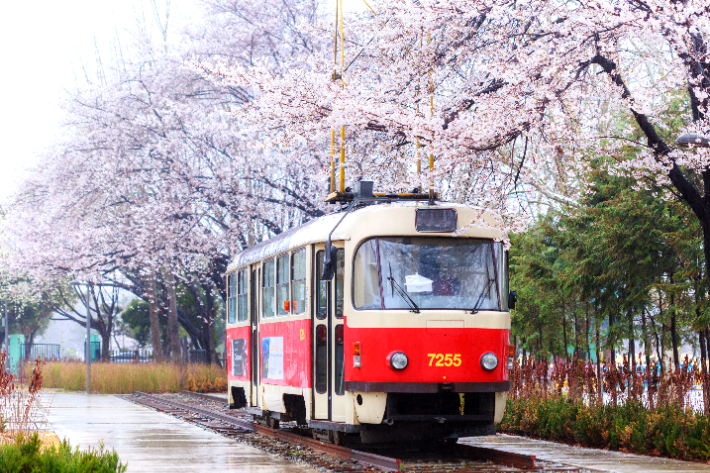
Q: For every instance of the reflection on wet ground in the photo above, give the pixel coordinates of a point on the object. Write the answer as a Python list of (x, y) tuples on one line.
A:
[(586, 458), (150, 441)]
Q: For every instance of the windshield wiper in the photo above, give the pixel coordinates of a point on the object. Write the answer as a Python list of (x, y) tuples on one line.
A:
[(402, 293), (478, 303)]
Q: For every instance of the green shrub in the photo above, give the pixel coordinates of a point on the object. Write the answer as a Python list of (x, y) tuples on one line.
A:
[(26, 455), (630, 426)]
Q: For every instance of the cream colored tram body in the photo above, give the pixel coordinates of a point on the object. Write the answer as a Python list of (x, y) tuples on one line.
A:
[(409, 339)]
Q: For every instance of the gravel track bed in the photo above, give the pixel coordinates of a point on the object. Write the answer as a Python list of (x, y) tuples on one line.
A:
[(412, 461)]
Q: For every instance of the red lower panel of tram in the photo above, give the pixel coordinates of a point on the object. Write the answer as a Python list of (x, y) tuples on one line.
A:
[(437, 355)]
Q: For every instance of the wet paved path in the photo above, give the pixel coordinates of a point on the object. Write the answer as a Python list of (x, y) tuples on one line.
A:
[(587, 458), (150, 441)]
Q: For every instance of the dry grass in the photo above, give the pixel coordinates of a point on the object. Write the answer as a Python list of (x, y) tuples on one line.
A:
[(125, 378), (610, 383), (19, 399)]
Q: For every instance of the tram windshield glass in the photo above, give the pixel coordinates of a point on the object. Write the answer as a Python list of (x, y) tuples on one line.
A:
[(429, 273)]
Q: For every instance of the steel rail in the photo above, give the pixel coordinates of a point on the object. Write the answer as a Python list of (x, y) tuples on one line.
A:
[(209, 397), (370, 459), (227, 419)]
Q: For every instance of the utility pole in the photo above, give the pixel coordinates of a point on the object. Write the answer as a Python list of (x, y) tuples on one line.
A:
[(87, 304), (88, 339)]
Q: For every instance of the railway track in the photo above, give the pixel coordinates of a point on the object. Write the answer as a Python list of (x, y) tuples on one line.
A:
[(457, 458)]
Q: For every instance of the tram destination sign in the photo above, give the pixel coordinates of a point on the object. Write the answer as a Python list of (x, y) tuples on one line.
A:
[(436, 220)]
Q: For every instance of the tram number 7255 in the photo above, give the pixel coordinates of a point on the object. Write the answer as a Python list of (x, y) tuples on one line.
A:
[(441, 359)]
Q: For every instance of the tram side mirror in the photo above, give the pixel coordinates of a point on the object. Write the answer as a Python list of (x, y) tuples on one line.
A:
[(512, 299), (328, 262)]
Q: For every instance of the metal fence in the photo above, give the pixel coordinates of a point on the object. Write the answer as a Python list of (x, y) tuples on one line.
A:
[(200, 356), (43, 351), (131, 356)]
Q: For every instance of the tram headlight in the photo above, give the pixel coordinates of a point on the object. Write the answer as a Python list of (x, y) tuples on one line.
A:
[(489, 361), (398, 360)]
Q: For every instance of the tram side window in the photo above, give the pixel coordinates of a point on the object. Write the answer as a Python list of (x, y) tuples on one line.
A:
[(243, 295), (321, 358), (367, 292), (231, 298), (298, 281), (339, 274), (321, 288), (339, 361), (268, 295), (282, 302)]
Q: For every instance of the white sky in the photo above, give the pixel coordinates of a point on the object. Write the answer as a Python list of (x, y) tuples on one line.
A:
[(42, 46)]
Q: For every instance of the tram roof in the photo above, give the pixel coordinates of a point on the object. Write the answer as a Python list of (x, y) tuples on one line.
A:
[(316, 231)]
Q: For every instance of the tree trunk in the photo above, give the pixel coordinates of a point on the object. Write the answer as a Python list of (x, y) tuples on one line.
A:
[(586, 333), (29, 342), (663, 348), (173, 331), (105, 345), (599, 366), (564, 334), (154, 320), (674, 332), (706, 379), (576, 333), (611, 341), (646, 340), (659, 344), (632, 341), (703, 370)]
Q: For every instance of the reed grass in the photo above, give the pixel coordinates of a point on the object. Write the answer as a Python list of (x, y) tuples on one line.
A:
[(125, 378)]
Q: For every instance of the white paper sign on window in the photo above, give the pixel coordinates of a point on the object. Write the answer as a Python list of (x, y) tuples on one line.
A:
[(272, 356)]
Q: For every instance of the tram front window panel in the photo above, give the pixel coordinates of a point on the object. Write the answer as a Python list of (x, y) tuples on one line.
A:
[(282, 279), (243, 295), (321, 288), (339, 276), (231, 298), (298, 281), (267, 295), (427, 273)]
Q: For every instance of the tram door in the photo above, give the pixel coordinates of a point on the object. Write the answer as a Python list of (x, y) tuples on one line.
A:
[(254, 349), (328, 361)]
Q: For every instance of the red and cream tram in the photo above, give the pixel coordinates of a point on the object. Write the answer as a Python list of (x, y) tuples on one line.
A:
[(406, 339)]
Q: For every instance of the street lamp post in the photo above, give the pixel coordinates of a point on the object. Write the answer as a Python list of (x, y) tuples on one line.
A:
[(87, 304)]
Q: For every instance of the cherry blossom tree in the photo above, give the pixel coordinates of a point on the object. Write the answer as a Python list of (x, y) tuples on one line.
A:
[(155, 185), (508, 97)]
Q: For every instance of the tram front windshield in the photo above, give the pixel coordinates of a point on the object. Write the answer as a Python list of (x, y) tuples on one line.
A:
[(428, 273)]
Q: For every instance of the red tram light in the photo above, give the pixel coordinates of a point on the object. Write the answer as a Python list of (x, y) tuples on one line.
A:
[(287, 306), (356, 355), (511, 350)]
